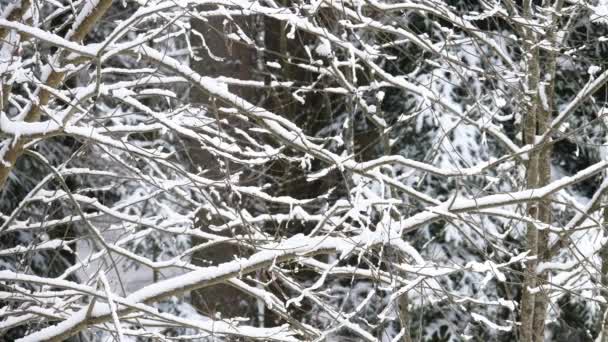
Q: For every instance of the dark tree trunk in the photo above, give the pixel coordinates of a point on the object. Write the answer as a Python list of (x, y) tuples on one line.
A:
[(238, 62)]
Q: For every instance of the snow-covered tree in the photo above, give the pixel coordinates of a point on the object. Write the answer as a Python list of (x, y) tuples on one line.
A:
[(377, 170)]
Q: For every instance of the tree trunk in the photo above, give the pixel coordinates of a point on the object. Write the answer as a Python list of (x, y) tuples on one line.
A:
[(236, 61), (546, 108), (532, 181), (604, 282)]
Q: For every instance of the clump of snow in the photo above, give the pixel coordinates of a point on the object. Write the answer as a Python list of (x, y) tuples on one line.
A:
[(594, 69), (600, 12), (274, 65), (324, 48)]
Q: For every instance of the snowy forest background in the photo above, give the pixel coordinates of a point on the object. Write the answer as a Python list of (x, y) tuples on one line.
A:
[(295, 170)]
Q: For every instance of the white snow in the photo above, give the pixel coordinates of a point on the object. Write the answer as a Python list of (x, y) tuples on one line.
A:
[(323, 48)]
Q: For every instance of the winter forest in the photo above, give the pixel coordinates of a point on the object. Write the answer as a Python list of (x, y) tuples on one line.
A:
[(304, 170)]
